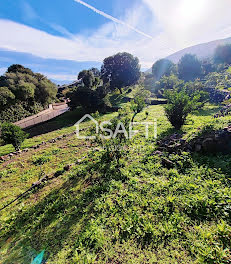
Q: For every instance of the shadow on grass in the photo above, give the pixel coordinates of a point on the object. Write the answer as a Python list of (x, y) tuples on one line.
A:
[(207, 111), (49, 224), (220, 162), (168, 132)]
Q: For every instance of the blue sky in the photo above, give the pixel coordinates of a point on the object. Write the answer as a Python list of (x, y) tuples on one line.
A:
[(76, 33)]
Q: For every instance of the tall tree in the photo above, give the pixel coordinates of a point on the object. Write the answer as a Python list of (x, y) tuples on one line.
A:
[(90, 78), (120, 70), (24, 93), (223, 54), (189, 68), (162, 67)]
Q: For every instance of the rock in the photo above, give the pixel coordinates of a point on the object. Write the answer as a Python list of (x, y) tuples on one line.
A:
[(182, 141), (167, 163), (158, 153), (2, 158), (209, 145)]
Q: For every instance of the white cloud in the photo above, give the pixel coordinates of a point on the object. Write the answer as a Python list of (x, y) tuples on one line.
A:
[(60, 77), (174, 24), (189, 22), (3, 70)]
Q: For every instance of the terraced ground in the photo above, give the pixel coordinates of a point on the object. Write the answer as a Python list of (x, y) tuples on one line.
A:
[(96, 212)]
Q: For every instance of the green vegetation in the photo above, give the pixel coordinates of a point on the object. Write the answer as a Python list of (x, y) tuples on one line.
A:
[(223, 54), (11, 134), (178, 107), (139, 212), (163, 67), (137, 106), (24, 93), (121, 199), (189, 68), (120, 70)]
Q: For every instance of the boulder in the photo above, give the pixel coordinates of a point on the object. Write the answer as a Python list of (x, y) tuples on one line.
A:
[(198, 147), (209, 145)]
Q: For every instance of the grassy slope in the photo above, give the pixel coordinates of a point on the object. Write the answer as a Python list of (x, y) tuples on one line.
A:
[(94, 213)]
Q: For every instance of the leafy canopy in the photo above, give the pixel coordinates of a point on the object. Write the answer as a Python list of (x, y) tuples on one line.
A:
[(189, 68), (223, 54), (12, 134), (20, 86), (162, 67), (179, 106), (120, 70)]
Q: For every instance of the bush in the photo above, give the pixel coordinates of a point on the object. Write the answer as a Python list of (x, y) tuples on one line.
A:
[(19, 110), (23, 89), (180, 104), (12, 134)]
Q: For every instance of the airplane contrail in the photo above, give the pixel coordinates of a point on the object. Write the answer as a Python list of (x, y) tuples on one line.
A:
[(113, 18)]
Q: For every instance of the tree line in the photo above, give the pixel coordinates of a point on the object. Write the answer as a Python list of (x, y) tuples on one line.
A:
[(24, 93)]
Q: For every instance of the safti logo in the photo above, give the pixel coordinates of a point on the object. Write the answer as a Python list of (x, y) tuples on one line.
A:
[(120, 129)]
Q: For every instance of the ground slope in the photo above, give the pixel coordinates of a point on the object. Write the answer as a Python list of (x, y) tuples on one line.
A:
[(141, 212)]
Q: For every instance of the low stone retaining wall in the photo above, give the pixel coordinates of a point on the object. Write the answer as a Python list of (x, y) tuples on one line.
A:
[(212, 142)]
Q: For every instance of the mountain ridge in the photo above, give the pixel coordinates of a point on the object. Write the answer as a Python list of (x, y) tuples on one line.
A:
[(202, 51)]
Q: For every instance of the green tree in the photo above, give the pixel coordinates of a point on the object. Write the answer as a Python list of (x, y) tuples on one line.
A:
[(120, 70), (137, 106), (89, 79), (95, 71), (208, 66), (189, 68), (179, 106), (163, 67), (167, 83), (6, 97), (89, 99), (12, 134), (223, 54), (19, 68), (24, 93)]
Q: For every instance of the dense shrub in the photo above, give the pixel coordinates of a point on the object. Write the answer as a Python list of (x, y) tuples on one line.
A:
[(179, 106), (19, 110), (20, 86), (12, 134), (189, 68), (223, 54)]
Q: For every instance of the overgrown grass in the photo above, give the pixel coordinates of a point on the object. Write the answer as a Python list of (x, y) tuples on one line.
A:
[(140, 212)]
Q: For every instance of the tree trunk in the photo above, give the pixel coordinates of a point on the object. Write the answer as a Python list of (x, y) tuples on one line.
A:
[(133, 117), (120, 89)]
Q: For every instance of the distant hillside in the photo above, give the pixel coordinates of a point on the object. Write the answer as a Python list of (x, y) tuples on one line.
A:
[(204, 50)]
